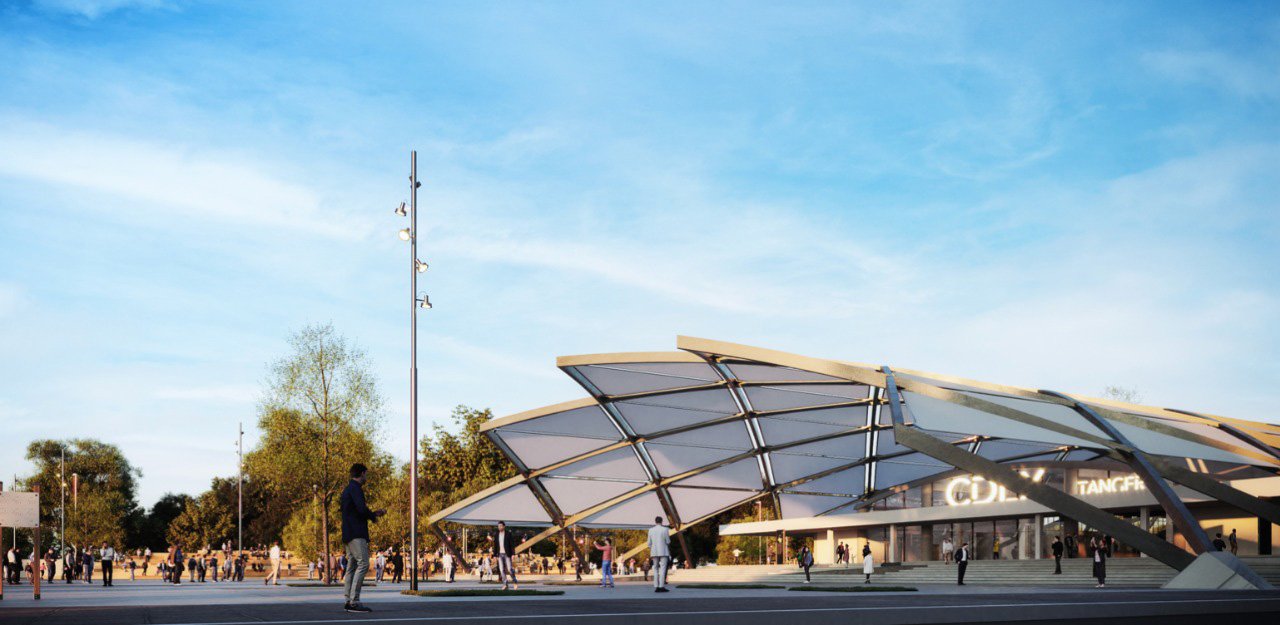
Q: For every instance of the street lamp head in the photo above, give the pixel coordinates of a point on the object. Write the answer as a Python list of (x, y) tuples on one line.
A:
[(400, 210), (424, 301), (422, 267), (404, 234)]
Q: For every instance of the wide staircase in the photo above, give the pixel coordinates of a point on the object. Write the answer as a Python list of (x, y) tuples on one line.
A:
[(1076, 572)]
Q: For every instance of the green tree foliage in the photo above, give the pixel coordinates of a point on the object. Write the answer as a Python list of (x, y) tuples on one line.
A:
[(105, 508), (156, 525), (320, 415), (753, 548), (466, 460), (205, 522)]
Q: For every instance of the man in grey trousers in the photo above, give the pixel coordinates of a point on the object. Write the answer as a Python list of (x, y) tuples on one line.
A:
[(355, 533), (660, 553)]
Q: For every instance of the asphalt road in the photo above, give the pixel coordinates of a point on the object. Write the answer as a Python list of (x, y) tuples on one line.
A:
[(1129, 607)]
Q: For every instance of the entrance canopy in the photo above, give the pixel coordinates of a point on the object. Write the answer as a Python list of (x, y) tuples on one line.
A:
[(688, 434)]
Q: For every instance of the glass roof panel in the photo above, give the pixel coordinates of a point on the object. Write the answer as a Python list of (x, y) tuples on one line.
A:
[(741, 474), (799, 506), (637, 512), (732, 435), (750, 372), (587, 422), (515, 504), (574, 496), (624, 379), (787, 468), (781, 431), (540, 450), (847, 482), (695, 503), (619, 464), (765, 398), (672, 460)]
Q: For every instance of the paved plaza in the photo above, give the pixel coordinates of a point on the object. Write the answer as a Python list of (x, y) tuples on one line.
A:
[(631, 602)]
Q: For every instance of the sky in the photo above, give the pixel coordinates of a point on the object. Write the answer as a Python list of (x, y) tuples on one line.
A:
[(1061, 195)]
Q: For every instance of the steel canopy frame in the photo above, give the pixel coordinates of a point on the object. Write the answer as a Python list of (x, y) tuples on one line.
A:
[(722, 360)]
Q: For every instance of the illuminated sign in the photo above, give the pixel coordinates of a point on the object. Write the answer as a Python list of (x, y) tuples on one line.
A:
[(975, 489), (1118, 484)]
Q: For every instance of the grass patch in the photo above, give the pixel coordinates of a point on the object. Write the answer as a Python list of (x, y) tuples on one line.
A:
[(479, 592), (853, 588), (727, 586)]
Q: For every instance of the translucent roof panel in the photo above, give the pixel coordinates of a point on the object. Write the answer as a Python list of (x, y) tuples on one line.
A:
[(672, 460), (754, 372), (574, 496), (587, 422), (890, 473), (516, 504), (851, 447), (732, 435), (637, 512), (627, 378), (1001, 449), (1157, 443), (788, 467), (740, 474), (1053, 412), (539, 450), (847, 482), (847, 416), (936, 414), (765, 398), (780, 431), (695, 503), (619, 464), (799, 506), (887, 443), (664, 412)]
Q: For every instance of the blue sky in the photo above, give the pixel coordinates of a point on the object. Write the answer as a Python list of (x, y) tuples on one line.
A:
[(1058, 195)]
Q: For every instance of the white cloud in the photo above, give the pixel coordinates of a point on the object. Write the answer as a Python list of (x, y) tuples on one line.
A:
[(1240, 76), (170, 183), (93, 9)]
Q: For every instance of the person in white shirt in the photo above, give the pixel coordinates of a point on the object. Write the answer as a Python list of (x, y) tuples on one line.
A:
[(947, 549), (660, 553), (107, 556), (274, 555), (447, 560), (379, 565)]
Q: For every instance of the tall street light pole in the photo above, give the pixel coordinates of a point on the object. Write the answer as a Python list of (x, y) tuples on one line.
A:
[(240, 490), (416, 300), (62, 509)]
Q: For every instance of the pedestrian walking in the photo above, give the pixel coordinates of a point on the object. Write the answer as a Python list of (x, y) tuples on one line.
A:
[(660, 553), (274, 556), (1218, 543), (503, 546), (947, 550), (868, 563), (379, 566), (962, 562), (1057, 555), (1231, 540), (355, 533), (839, 553), (606, 562), (805, 560)]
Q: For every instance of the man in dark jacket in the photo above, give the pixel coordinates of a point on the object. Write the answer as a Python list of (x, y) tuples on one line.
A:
[(355, 533), (503, 548), (1057, 555)]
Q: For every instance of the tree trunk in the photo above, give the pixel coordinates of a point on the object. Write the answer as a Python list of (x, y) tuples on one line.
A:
[(324, 527)]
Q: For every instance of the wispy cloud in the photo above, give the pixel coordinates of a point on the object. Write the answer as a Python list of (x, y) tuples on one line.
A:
[(1246, 76), (94, 9)]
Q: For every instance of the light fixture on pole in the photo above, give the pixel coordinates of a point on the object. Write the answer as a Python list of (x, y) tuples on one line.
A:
[(417, 300)]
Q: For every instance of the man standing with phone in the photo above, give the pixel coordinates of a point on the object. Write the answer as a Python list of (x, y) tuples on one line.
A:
[(355, 533)]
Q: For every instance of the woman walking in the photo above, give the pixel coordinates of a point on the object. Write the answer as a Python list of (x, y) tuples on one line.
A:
[(805, 560), (868, 563), (1099, 563), (606, 563)]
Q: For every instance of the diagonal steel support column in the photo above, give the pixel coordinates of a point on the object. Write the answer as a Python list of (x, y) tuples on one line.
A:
[(458, 557), (1202, 483), (1138, 460), (1042, 494)]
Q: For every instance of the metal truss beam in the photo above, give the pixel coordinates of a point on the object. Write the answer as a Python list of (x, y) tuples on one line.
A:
[(1174, 508)]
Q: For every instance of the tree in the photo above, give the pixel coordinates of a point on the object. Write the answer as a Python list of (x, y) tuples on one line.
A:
[(451, 461), (155, 527), (204, 522), (1128, 395), (104, 506), (320, 415)]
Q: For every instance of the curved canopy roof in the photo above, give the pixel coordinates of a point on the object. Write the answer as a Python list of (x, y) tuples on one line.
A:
[(688, 434)]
